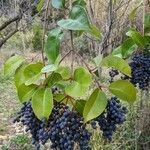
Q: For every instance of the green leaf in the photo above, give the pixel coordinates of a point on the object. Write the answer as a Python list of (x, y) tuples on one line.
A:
[(25, 92), (40, 5), (95, 32), (78, 21), (32, 73), (95, 105), (79, 2), (97, 60), (79, 106), (58, 3), (49, 68), (147, 23), (147, 40), (75, 89), (126, 49), (52, 45), (117, 63), (53, 79), (42, 103), (123, 90), (81, 83), (71, 24), (12, 64), (65, 72), (19, 77), (136, 37)]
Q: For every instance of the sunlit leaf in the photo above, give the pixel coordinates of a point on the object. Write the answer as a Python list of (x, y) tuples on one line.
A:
[(12, 64), (26, 92), (95, 105), (123, 90), (42, 103), (117, 63)]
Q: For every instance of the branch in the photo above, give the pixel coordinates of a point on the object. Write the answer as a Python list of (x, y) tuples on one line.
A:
[(3, 41), (18, 17)]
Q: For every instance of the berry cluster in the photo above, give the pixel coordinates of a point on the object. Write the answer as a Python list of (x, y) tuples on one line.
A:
[(140, 67), (110, 118), (65, 128)]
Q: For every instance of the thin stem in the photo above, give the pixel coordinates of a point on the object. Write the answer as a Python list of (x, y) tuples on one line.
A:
[(72, 47), (44, 32), (65, 56)]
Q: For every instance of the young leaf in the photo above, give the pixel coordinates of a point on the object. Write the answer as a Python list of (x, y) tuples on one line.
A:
[(52, 45), (65, 72), (19, 77), (49, 68), (79, 106), (75, 89), (82, 76), (58, 3), (137, 37), (53, 79), (81, 83), (95, 105), (117, 63), (78, 20), (32, 73), (42, 103), (126, 49), (123, 90), (25, 92), (12, 64)]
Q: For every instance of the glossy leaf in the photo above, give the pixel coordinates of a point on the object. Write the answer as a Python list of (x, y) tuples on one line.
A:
[(136, 37), (19, 77), (81, 83), (65, 72), (58, 3), (25, 92), (53, 79), (95, 105), (82, 76), (32, 73), (12, 64), (117, 63), (49, 68), (126, 49), (78, 20), (42, 103), (76, 90), (52, 45), (79, 106), (123, 90)]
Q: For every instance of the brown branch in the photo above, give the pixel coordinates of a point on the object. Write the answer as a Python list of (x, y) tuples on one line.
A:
[(3, 41), (8, 22)]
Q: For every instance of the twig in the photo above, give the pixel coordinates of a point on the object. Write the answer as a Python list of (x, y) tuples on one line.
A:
[(44, 32), (72, 47), (65, 56)]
